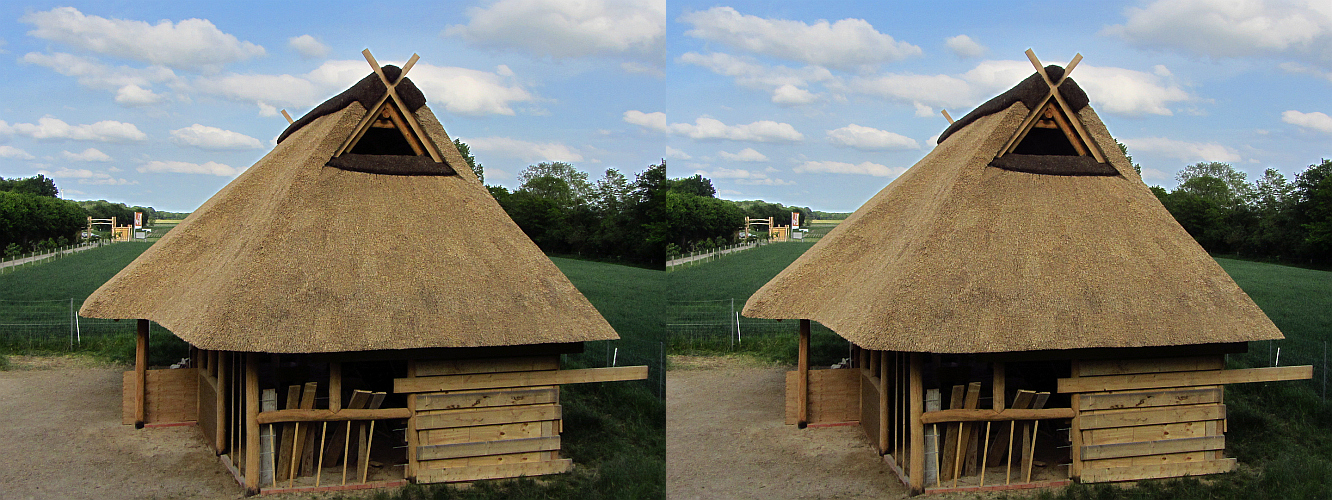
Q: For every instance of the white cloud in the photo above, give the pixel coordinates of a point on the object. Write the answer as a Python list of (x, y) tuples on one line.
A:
[(55, 129), (676, 154), (766, 181), (930, 90), (308, 47), (837, 167), (15, 153), (134, 95), (655, 121), (1316, 120), (1182, 150), (568, 29), (190, 43), (1299, 29), (846, 44), (93, 74), (790, 95), (759, 131), (85, 176), (89, 154), (748, 73), (742, 176), (965, 47), (458, 90), (213, 138), (180, 167), (747, 154), (870, 139), (524, 150), (1129, 92)]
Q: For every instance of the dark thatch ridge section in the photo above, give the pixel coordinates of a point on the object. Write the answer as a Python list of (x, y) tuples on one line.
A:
[(367, 92), (390, 164), (1053, 164), (1030, 92)]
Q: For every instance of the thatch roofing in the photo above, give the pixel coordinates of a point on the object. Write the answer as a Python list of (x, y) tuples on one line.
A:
[(959, 256), (297, 256)]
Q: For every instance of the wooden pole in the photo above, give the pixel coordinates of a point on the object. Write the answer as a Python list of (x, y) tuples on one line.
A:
[(1032, 455), (319, 469), (985, 453), (917, 463), (335, 386), (1075, 430), (140, 374), (365, 460), (223, 374), (346, 453), (1008, 467), (251, 423), (884, 408), (802, 401)]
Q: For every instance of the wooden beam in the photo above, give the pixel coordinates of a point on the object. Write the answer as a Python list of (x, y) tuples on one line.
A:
[(486, 365), (518, 379), (288, 117), (1136, 472), (413, 437), (141, 374), (946, 116), (488, 416), (1159, 447), (461, 400), (951, 433), (482, 472), (983, 415), (335, 386), (802, 380), (485, 448), (220, 405), (968, 439), (884, 409), (288, 433), (320, 415), (1075, 425), (917, 396), (1183, 379), (1126, 400), (1153, 365), (1165, 415), (251, 423)]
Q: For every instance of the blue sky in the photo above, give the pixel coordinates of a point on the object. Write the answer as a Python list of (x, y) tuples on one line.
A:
[(816, 104)]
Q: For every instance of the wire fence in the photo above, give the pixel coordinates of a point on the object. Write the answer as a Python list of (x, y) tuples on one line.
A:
[(627, 352), (715, 324), (52, 325), (1291, 352)]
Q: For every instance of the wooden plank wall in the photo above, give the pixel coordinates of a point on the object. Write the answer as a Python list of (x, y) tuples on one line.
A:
[(471, 435), (172, 396), (833, 396), (1155, 433), (207, 406)]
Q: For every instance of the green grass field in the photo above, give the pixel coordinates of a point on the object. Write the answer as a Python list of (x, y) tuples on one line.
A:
[(1281, 432), (614, 431)]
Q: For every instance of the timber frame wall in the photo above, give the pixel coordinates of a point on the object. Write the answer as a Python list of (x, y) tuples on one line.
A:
[(459, 414), (1132, 413)]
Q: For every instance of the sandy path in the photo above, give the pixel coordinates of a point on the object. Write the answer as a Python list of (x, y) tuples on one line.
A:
[(725, 438), (61, 437)]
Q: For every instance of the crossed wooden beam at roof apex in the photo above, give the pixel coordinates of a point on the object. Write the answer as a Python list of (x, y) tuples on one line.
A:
[(1038, 111)]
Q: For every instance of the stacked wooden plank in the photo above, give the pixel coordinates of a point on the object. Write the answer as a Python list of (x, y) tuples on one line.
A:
[(1148, 418), (833, 396), (171, 396), (490, 418)]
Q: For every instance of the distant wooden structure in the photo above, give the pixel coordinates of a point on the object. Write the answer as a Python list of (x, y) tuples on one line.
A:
[(324, 354), (1018, 281)]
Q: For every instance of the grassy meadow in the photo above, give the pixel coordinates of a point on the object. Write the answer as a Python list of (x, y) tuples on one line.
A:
[(1281, 432), (615, 431)]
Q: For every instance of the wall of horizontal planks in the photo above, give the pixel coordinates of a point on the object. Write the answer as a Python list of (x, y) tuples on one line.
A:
[(171, 396), (833, 396)]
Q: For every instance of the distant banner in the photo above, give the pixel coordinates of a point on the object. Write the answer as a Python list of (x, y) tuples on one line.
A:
[(795, 220), (138, 219)]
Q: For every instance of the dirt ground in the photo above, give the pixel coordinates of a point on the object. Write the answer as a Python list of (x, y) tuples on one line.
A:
[(726, 438), (61, 437)]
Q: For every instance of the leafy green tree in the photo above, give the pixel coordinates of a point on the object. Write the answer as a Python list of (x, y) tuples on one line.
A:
[(38, 185), (1234, 180), (575, 179), (1124, 149), (696, 185), (1313, 195), (466, 151)]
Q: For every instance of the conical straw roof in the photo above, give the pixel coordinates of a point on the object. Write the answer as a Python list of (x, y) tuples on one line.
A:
[(295, 255), (961, 256)]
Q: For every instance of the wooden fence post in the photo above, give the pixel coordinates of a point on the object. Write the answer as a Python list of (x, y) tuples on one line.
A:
[(803, 398), (140, 374)]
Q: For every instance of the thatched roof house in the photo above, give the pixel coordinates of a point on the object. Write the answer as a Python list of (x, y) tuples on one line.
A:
[(362, 251), (1025, 236)]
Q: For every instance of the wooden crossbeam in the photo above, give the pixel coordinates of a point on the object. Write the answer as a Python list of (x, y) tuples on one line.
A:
[(518, 379), (1184, 379), (420, 143), (982, 415)]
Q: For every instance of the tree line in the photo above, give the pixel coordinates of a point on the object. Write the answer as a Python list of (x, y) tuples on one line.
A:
[(699, 221), (34, 218)]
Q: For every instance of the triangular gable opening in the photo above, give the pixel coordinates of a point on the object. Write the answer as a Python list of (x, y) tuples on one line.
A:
[(1051, 139), (1051, 134), (388, 134)]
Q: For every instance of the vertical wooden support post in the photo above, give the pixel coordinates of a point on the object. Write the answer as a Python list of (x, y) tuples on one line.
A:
[(1075, 430), (411, 426), (140, 374), (917, 462), (335, 386), (223, 375), (251, 423), (884, 409), (802, 400)]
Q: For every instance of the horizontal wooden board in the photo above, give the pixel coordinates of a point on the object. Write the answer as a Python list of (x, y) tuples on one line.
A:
[(1148, 416), (439, 419), (481, 433), (1157, 447), (1150, 365), (980, 415), (428, 368), (1142, 433), (501, 447), (1124, 400), (834, 396), (1132, 473), (518, 379), (171, 396), (476, 473), (1184, 379), (1168, 458), (483, 399), (511, 458), (314, 415)]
